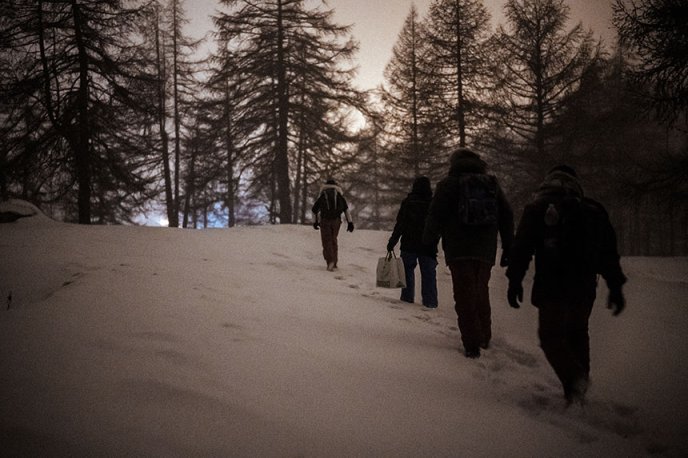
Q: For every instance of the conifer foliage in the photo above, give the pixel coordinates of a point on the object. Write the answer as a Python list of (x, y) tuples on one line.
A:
[(413, 129), (292, 58), (458, 40), (110, 113), (77, 88), (539, 62)]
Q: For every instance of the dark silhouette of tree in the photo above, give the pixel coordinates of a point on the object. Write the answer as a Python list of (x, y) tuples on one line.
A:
[(458, 33), (292, 58), (183, 88), (158, 27), (85, 85), (412, 124), (655, 32), (538, 63)]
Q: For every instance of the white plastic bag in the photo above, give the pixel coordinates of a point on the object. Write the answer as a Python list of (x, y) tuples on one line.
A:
[(390, 272)]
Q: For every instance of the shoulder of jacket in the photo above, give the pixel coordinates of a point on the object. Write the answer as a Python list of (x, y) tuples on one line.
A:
[(595, 206)]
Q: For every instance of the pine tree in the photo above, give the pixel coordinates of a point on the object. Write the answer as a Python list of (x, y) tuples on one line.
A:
[(539, 63), (655, 31), (292, 58), (411, 122), (90, 80), (458, 34)]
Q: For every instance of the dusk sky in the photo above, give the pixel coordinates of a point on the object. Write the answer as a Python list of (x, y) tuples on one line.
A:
[(376, 24)]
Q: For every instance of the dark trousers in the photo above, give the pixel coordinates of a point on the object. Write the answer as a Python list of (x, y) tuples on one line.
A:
[(428, 278), (563, 333), (470, 280), (329, 231)]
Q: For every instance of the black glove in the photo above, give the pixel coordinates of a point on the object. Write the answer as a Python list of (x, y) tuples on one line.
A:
[(390, 246), (504, 260), (350, 227), (616, 301), (316, 225), (515, 294)]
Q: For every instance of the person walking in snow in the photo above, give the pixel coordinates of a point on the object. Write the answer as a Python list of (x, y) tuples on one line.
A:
[(468, 210), (572, 241), (409, 228), (327, 211)]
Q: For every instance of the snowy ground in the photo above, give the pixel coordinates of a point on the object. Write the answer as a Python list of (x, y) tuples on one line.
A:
[(161, 342)]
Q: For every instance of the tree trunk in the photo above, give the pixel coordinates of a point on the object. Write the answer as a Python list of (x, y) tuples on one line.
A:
[(177, 121), (229, 145), (304, 189), (282, 153), (190, 186), (81, 130), (414, 102), (460, 108), (162, 121)]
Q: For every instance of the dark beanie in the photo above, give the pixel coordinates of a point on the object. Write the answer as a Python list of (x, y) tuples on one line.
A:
[(466, 160), (564, 169), (421, 186), (462, 153)]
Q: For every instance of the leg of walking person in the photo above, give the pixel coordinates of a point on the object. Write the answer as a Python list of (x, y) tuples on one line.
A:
[(428, 280), (553, 331), (408, 294), (484, 310), (464, 282)]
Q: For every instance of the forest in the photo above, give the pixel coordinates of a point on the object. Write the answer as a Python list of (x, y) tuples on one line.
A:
[(111, 113)]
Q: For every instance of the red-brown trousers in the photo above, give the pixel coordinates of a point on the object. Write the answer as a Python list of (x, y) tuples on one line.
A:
[(329, 231)]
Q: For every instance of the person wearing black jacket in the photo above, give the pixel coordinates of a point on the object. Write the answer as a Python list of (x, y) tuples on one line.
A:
[(573, 241), (409, 228), (468, 227), (327, 210)]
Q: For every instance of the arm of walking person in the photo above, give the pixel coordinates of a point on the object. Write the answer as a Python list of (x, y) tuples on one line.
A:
[(610, 267), (521, 253), (396, 232), (349, 221), (505, 220), (437, 215)]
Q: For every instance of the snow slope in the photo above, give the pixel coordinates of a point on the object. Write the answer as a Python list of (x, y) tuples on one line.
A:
[(165, 342)]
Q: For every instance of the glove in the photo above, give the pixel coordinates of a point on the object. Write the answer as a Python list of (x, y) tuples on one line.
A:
[(390, 247), (350, 227), (616, 301), (316, 225), (504, 260), (515, 294)]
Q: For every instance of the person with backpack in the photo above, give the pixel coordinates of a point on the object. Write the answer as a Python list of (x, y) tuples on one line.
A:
[(468, 210), (572, 241), (409, 228), (327, 211)]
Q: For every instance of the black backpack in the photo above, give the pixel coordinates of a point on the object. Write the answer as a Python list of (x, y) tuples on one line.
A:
[(477, 199), (332, 204), (573, 233)]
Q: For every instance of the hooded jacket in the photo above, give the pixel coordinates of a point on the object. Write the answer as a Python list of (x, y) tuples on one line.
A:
[(568, 256), (411, 220), (330, 203), (460, 241)]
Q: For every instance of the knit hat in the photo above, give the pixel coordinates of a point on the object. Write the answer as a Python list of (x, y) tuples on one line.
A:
[(421, 186), (563, 168), (466, 160), (561, 178)]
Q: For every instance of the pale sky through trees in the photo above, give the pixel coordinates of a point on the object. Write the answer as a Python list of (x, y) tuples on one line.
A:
[(376, 25)]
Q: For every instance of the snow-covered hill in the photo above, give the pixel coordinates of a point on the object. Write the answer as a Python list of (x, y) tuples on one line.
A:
[(161, 342)]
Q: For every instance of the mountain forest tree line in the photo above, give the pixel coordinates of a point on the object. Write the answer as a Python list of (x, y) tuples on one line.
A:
[(110, 112)]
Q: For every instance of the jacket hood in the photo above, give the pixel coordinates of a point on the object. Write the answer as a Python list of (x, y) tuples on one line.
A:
[(327, 186), (421, 187), (463, 160), (560, 181)]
